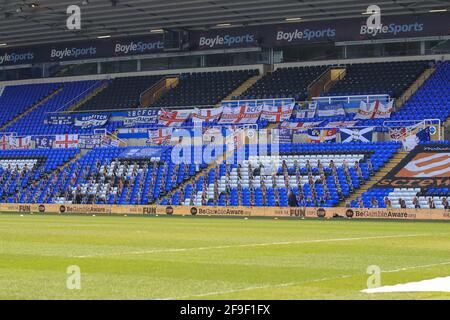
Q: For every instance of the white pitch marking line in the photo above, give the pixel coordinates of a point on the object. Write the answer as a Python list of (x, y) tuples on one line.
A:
[(288, 284), (250, 245)]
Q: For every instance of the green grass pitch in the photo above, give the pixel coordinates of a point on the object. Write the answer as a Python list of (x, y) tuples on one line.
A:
[(216, 258)]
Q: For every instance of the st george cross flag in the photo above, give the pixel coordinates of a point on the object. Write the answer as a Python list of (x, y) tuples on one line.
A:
[(322, 136), (300, 125), (206, 115), (277, 113), (240, 115), (360, 135), (66, 141), (374, 110), (173, 118), (20, 142), (160, 136)]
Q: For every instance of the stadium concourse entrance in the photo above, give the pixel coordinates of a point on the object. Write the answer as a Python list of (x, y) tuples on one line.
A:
[(272, 212)]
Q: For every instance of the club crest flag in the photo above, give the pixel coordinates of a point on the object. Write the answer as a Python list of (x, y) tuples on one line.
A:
[(277, 113), (356, 135), (44, 142), (206, 115), (173, 118), (240, 115)]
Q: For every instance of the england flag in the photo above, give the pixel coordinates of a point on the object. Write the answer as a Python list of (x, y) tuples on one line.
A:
[(240, 115), (160, 136), (277, 113), (66, 141), (206, 115), (175, 118)]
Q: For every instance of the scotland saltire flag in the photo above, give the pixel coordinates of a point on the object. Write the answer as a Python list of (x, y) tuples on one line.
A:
[(359, 135)]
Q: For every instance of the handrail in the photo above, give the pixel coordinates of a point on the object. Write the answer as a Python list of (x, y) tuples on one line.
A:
[(71, 102)]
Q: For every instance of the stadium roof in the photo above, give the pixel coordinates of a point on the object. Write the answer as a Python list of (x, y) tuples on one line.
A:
[(27, 22)]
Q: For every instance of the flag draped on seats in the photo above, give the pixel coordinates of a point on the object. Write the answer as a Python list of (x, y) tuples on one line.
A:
[(19, 142), (356, 135), (45, 142), (160, 137), (173, 118), (65, 141), (240, 115), (331, 110), (206, 115), (375, 110), (299, 125), (277, 113), (339, 124), (322, 136)]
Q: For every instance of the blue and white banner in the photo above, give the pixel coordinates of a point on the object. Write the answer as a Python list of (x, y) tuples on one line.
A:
[(44, 142), (91, 121), (331, 110), (141, 116), (356, 135), (150, 152)]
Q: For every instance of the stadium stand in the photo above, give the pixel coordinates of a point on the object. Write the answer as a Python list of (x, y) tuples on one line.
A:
[(23, 173), (17, 99), (215, 86), (285, 83), (432, 100), (391, 78), (319, 175), (121, 93), (70, 93)]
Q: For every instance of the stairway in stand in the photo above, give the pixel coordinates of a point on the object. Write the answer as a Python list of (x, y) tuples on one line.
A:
[(395, 160)]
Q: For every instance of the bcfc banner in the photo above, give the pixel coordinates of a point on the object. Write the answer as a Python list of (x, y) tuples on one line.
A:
[(427, 166), (91, 121), (246, 114), (142, 116)]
